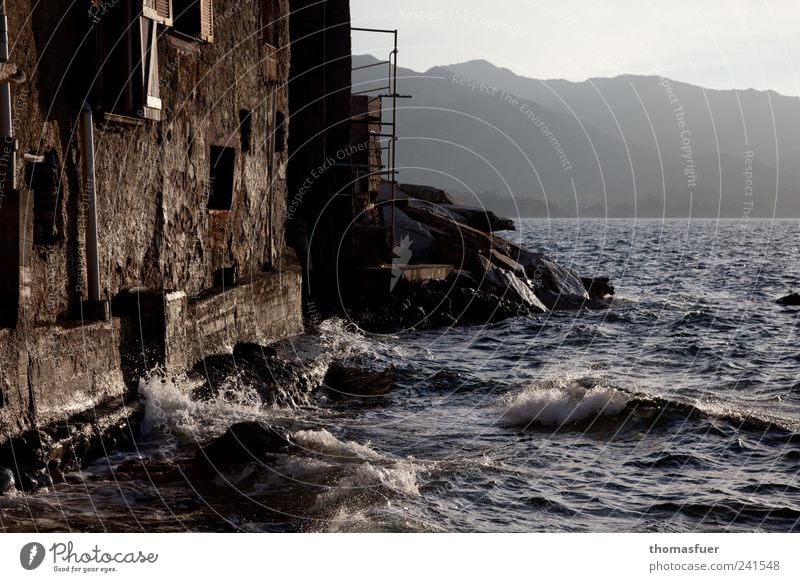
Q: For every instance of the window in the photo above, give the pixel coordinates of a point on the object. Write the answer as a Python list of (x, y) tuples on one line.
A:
[(128, 63), (268, 24), (42, 176), (194, 18), (221, 179), (158, 10)]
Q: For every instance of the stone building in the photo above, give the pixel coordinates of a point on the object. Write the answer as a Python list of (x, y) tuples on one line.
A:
[(144, 194)]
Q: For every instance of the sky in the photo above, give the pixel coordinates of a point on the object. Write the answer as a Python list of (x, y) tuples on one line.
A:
[(720, 44)]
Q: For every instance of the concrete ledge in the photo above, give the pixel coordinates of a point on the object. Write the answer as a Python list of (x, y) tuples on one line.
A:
[(49, 373), (262, 309), (73, 368)]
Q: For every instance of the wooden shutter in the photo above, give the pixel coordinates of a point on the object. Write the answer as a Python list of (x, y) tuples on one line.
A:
[(151, 96), (207, 20), (194, 18), (158, 10)]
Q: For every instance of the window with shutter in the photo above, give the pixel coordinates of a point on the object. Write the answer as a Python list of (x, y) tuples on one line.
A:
[(158, 10), (127, 58), (194, 18), (151, 98)]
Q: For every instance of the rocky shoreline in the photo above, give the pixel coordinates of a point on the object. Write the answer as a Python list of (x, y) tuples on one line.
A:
[(488, 278), (491, 278)]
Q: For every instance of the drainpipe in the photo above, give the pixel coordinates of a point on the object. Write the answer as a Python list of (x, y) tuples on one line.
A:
[(90, 198), (6, 123)]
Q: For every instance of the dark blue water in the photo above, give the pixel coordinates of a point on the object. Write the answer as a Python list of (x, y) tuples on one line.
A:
[(676, 410)]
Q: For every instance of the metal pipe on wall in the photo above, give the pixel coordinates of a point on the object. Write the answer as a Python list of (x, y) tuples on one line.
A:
[(6, 119), (90, 195)]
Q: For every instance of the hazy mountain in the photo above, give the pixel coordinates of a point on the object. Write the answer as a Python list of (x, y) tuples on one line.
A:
[(618, 146)]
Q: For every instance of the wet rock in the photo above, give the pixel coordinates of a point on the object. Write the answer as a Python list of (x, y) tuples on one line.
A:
[(7, 481), (507, 263), (790, 300), (277, 381), (344, 381), (242, 443), (598, 287), (505, 284)]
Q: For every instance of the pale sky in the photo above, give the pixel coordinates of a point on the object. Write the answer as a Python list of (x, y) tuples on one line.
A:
[(721, 44)]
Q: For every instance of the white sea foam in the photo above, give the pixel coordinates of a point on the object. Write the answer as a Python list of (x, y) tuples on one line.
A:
[(398, 478), (323, 442), (170, 409), (560, 402)]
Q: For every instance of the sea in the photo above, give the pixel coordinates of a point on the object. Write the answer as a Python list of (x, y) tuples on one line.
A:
[(676, 410)]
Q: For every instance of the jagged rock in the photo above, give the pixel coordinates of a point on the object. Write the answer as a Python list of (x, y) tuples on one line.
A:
[(508, 285), (344, 381), (790, 300), (493, 278), (507, 263), (424, 246), (547, 275), (427, 193), (479, 218), (278, 382), (245, 442), (7, 481), (598, 287)]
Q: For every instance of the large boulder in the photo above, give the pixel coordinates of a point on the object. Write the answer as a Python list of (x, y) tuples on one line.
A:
[(344, 381), (242, 443)]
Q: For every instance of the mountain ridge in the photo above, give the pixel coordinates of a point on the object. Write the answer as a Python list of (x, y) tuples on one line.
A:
[(616, 133)]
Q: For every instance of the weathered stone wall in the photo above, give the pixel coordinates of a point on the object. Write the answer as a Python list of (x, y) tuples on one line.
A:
[(153, 179)]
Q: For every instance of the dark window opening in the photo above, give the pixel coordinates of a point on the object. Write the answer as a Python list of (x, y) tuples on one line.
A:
[(245, 128), (280, 131), (127, 54), (223, 164), (42, 176), (194, 18)]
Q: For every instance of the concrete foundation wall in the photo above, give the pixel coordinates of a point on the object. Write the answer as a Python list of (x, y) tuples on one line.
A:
[(49, 373)]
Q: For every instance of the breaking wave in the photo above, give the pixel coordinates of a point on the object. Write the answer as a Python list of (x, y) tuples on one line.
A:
[(558, 402)]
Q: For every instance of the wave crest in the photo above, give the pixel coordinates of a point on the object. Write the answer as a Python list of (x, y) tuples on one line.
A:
[(556, 403)]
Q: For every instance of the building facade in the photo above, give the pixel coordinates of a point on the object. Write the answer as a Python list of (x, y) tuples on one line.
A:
[(144, 195)]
